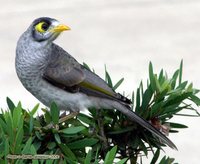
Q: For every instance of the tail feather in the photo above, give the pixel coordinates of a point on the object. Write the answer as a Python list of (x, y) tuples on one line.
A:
[(134, 117)]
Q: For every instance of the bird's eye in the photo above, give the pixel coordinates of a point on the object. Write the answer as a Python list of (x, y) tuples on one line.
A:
[(42, 27)]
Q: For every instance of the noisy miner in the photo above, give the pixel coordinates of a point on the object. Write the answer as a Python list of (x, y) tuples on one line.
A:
[(53, 75)]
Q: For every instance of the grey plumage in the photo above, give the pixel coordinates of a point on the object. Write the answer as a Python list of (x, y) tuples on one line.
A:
[(51, 74)]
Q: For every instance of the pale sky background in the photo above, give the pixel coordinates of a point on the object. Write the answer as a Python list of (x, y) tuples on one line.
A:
[(125, 35)]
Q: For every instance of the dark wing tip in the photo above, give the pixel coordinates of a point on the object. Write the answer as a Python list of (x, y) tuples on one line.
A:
[(124, 99)]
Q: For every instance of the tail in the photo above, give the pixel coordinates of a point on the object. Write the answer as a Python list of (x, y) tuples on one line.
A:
[(134, 117)]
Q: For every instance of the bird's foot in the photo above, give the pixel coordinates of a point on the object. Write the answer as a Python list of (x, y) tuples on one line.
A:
[(67, 117)]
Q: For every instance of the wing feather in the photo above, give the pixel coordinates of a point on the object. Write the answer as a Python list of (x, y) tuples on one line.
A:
[(65, 72)]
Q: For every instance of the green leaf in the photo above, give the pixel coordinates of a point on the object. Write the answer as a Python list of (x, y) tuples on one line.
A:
[(158, 87), (182, 85), (38, 135), (122, 161), (155, 157), (57, 138), (143, 147), (190, 88), (166, 160), (79, 144), (35, 162), (177, 125), (108, 78), (165, 86), (110, 156), (54, 113), (180, 72), (37, 144), (51, 145), (186, 115), (66, 150), (156, 109), (88, 157), (142, 88), (11, 105), (123, 130), (73, 130), (86, 66), (146, 98), (173, 131), (177, 99), (118, 83), (172, 109), (137, 108), (3, 126), (86, 119), (33, 150), (47, 116), (17, 116), (195, 99), (6, 143), (31, 124), (27, 147), (9, 122), (152, 77), (34, 110), (49, 161), (19, 138), (174, 79), (133, 99), (161, 78)]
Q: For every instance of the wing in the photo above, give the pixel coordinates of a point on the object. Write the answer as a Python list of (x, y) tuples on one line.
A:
[(65, 72)]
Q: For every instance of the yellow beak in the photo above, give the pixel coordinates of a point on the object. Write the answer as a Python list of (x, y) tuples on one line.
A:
[(60, 28)]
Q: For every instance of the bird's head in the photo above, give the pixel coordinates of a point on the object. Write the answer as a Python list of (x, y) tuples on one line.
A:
[(46, 29)]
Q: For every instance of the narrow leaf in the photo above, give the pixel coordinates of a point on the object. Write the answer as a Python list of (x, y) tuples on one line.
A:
[(11, 105), (66, 150), (181, 71), (177, 125), (18, 140), (57, 138), (174, 79), (54, 113), (17, 116), (182, 85), (108, 78), (152, 77), (122, 161), (118, 84), (34, 110), (146, 98), (86, 119), (51, 145), (27, 147), (86, 66), (6, 151), (79, 144), (110, 156), (88, 157), (195, 99), (137, 108), (155, 157), (73, 130)]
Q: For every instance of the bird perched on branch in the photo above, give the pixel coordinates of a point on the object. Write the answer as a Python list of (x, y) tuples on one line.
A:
[(52, 75)]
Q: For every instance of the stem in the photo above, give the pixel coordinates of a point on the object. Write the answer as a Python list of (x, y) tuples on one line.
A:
[(101, 131)]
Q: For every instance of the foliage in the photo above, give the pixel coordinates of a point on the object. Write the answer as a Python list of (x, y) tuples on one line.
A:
[(103, 136)]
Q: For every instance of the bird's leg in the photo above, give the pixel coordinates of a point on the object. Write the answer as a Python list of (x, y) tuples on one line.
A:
[(62, 119), (67, 117), (101, 131)]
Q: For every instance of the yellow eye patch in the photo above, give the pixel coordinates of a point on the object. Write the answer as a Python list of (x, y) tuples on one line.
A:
[(42, 27)]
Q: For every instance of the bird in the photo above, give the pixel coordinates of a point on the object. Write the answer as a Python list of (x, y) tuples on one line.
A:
[(51, 74)]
